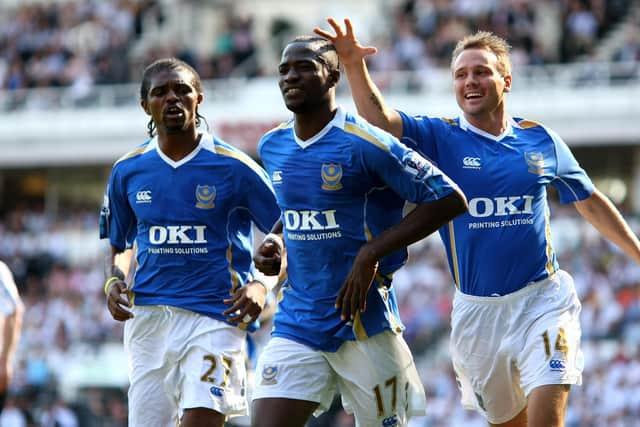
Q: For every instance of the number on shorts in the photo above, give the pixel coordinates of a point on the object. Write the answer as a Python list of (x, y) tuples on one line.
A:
[(561, 343), (213, 361), (393, 383)]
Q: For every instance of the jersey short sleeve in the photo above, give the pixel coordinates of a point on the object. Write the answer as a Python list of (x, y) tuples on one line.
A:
[(406, 172), (419, 133), (571, 181), (260, 198), (117, 219)]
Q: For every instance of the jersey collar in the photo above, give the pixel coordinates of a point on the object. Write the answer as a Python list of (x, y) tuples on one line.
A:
[(337, 121), (511, 123), (206, 141)]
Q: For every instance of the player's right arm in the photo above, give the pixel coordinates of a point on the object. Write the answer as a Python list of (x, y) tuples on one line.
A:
[(117, 223), (364, 91), (115, 286)]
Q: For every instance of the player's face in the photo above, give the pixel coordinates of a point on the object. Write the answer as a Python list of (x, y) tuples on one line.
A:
[(478, 85), (305, 82), (172, 100)]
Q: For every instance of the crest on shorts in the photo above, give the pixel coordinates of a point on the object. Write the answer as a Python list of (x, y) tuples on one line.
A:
[(535, 160), (331, 176), (269, 374), (205, 194)]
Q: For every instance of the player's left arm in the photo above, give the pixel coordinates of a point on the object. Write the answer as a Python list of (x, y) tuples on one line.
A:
[(416, 180), (598, 210), (426, 218), (574, 185), (246, 304)]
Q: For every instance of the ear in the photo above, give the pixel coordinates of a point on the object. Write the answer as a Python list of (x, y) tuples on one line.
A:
[(200, 98), (334, 77), (507, 83), (145, 106)]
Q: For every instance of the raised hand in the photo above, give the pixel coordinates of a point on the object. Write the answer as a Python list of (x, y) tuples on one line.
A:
[(348, 47)]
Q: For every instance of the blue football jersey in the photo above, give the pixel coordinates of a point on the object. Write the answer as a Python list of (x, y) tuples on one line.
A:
[(336, 190), (191, 220), (503, 242)]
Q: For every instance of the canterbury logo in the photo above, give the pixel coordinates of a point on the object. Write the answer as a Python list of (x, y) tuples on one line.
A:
[(471, 162), (556, 365), (143, 196)]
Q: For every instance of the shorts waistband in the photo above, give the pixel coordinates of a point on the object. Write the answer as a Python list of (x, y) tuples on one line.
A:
[(520, 293)]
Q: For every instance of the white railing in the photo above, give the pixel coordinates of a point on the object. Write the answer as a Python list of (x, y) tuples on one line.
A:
[(562, 76)]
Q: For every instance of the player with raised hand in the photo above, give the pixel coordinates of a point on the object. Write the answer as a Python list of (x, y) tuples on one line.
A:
[(515, 337), (341, 185), (182, 198)]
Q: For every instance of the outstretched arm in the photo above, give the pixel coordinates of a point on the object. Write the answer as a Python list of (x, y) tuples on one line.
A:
[(365, 93), (423, 220), (603, 215)]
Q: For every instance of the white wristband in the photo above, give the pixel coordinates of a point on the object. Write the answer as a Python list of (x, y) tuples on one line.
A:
[(274, 238)]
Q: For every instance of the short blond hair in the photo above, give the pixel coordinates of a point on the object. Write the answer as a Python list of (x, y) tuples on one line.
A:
[(489, 41)]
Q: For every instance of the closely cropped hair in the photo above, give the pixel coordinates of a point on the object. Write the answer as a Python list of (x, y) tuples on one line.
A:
[(324, 48), (489, 41), (168, 64)]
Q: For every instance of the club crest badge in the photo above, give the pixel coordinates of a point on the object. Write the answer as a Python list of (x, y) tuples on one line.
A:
[(535, 160), (331, 176), (205, 195), (269, 374)]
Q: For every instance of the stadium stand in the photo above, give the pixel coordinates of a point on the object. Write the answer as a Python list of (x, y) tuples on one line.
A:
[(68, 100)]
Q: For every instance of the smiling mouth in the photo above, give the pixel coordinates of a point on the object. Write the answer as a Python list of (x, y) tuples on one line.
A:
[(292, 91), (473, 95)]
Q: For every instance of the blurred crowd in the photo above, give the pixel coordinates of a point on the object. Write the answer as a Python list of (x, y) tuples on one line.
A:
[(59, 262), (80, 44), (540, 32)]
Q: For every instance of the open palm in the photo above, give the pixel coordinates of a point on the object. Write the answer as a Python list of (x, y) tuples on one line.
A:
[(348, 47)]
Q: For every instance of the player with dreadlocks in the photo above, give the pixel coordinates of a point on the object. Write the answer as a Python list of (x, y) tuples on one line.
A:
[(181, 197)]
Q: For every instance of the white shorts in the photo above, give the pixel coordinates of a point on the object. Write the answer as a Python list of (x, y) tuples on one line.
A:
[(376, 377), (179, 359), (504, 347)]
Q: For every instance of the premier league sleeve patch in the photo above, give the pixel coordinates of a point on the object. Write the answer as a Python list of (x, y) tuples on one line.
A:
[(416, 165), (105, 214)]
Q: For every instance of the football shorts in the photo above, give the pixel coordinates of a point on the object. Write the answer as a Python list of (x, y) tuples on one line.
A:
[(504, 347), (376, 377), (179, 359)]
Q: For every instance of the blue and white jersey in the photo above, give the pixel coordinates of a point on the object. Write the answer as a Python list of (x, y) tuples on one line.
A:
[(8, 292), (191, 220), (503, 242), (336, 191)]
